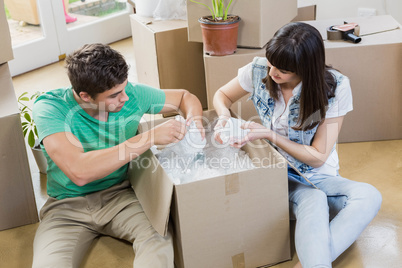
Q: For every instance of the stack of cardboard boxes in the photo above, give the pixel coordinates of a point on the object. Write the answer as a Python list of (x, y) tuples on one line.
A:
[(17, 199)]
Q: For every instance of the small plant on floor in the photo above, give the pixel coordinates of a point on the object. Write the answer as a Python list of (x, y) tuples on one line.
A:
[(218, 11), (27, 122)]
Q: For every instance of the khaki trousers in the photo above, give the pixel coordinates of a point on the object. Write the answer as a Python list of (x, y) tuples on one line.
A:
[(69, 226)]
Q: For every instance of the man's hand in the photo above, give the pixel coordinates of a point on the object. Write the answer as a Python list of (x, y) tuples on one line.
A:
[(198, 124), (171, 131)]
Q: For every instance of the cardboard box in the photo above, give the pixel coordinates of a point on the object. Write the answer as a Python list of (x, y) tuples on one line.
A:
[(374, 68), (260, 19), (17, 198), (220, 70), (237, 220), (6, 51), (305, 11), (165, 59)]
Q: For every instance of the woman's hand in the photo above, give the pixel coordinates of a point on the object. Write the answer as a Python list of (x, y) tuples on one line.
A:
[(222, 120), (257, 131)]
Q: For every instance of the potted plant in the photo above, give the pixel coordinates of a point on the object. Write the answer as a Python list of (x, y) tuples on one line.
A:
[(220, 29), (29, 129)]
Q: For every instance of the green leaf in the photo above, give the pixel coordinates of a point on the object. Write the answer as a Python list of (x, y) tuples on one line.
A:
[(35, 131), (27, 117), (31, 139), (25, 131), (215, 7), (23, 94), (227, 10), (36, 95), (24, 99), (221, 9)]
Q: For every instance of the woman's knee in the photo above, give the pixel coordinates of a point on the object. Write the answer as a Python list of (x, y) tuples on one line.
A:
[(369, 195), (374, 196), (313, 201)]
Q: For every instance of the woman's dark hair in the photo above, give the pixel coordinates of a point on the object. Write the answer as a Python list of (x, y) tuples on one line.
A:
[(298, 48), (96, 68)]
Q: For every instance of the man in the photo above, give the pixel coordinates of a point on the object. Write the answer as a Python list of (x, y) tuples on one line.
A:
[(89, 135)]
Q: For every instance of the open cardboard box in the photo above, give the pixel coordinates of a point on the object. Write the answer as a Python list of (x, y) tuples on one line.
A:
[(236, 220)]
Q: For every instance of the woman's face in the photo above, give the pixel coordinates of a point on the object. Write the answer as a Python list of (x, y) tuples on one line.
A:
[(282, 77)]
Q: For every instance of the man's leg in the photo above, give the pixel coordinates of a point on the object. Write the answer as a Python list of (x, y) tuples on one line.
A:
[(61, 240), (151, 249)]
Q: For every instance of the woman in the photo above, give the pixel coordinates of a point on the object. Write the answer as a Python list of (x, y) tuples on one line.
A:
[(302, 103)]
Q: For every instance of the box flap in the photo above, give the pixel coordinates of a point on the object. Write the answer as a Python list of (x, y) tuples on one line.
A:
[(376, 24), (306, 10), (153, 189)]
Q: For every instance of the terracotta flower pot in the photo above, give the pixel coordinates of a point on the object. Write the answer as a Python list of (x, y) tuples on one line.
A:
[(219, 37)]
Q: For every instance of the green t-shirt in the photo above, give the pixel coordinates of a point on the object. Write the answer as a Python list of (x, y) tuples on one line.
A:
[(57, 111)]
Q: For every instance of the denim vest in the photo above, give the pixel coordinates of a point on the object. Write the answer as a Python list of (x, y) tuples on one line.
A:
[(264, 104)]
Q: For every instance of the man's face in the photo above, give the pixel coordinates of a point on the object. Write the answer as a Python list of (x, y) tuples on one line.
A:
[(113, 99)]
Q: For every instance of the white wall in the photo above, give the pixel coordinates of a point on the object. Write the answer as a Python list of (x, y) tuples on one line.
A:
[(328, 9)]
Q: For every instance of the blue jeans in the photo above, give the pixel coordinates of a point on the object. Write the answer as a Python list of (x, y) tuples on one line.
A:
[(330, 219)]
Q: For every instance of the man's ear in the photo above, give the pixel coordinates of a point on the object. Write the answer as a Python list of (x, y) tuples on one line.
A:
[(85, 96)]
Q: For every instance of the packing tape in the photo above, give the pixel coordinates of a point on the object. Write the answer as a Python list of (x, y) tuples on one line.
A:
[(238, 261), (333, 34), (232, 184)]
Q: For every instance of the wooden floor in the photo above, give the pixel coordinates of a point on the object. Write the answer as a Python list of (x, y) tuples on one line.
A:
[(378, 163)]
